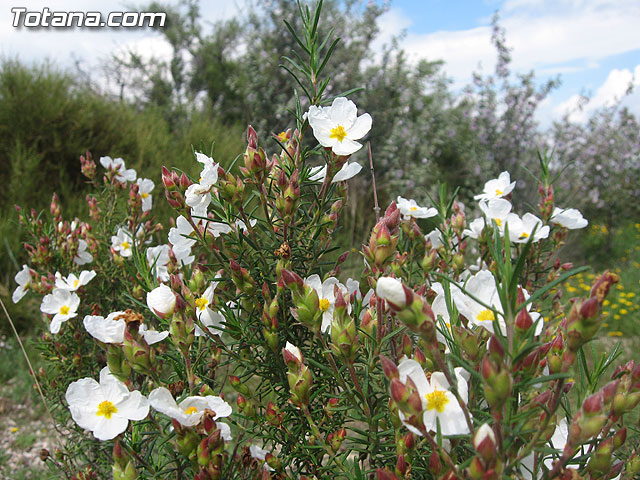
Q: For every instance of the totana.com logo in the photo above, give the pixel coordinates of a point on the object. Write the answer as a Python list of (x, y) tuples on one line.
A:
[(60, 19)]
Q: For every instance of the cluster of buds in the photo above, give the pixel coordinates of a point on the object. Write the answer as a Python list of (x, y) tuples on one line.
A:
[(231, 187), (210, 449), (583, 320), (94, 209), (404, 396), (288, 195), (123, 468), (87, 165), (498, 381), (344, 338), (546, 201), (243, 281), (307, 304), (139, 355), (256, 164), (485, 464), (289, 140), (409, 307), (383, 239), (174, 187), (270, 318), (298, 376)]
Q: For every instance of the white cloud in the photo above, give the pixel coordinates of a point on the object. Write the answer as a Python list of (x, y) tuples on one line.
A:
[(614, 89), (549, 35)]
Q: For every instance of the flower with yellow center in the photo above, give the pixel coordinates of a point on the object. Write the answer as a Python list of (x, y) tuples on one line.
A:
[(209, 318), (338, 126), (145, 186), (62, 304), (409, 208), (122, 241), (481, 286), (497, 188), (326, 297), (23, 279), (105, 408), (73, 282), (190, 410), (439, 404)]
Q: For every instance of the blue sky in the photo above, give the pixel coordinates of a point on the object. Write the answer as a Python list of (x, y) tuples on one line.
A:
[(593, 44)]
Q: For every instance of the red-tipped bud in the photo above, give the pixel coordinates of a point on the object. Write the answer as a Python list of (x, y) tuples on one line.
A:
[(389, 368)]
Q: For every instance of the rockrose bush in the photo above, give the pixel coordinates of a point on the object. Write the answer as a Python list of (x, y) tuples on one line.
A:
[(229, 344)]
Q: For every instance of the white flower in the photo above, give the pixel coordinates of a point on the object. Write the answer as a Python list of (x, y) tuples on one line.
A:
[(326, 297), (105, 408), (483, 287), (521, 229), (82, 256), (161, 301), (391, 289), (62, 304), (438, 403), (117, 164), (23, 279), (145, 186), (216, 228), (198, 198), (337, 126), (152, 336), (208, 317), (496, 210), (409, 208), (181, 241), (353, 287), (189, 411), (259, 454), (435, 237), (158, 259), (295, 351), (558, 442), (111, 329), (439, 307), (497, 188), (107, 330), (348, 170), (122, 242), (568, 218), (73, 283), (475, 228), (179, 236), (209, 174), (242, 227)]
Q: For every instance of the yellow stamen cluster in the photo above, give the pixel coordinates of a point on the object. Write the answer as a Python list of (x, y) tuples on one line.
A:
[(64, 310), (106, 409), (324, 304), (191, 410), (125, 245), (338, 133), (437, 400), (486, 316), (201, 303), (499, 192)]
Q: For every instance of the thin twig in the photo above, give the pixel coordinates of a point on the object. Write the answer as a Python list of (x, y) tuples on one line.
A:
[(373, 180), (31, 370)]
